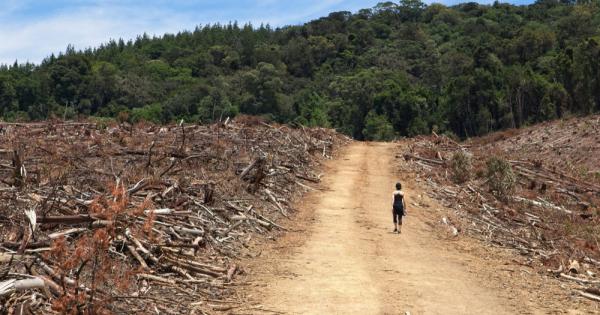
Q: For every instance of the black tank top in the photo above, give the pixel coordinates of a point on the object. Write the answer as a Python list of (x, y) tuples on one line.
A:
[(398, 200)]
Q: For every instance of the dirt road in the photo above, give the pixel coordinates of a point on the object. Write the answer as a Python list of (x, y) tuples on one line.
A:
[(351, 263)]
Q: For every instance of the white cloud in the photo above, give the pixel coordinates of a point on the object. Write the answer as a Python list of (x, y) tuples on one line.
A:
[(30, 35), (84, 27)]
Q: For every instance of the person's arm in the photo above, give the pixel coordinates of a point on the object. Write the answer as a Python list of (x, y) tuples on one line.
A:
[(404, 203)]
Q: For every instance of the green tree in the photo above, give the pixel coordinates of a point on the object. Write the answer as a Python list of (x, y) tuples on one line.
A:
[(466, 69), (8, 96), (377, 127), (311, 109)]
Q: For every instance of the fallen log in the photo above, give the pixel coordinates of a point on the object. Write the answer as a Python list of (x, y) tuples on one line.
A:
[(67, 219), (7, 257), (590, 296), (542, 204), (274, 200), (35, 245), (156, 278), (310, 179), (137, 256), (193, 267), (251, 166), (12, 285), (409, 157), (580, 280), (67, 232)]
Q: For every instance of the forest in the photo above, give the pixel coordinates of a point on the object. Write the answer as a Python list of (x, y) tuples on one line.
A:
[(397, 69)]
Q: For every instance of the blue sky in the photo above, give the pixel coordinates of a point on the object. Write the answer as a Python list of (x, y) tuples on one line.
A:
[(32, 29)]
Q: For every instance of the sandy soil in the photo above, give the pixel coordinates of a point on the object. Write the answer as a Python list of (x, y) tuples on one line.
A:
[(344, 258)]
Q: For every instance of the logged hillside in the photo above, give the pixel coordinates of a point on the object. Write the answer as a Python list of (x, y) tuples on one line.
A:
[(570, 146), (397, 69), (535, 190), (121, 219)]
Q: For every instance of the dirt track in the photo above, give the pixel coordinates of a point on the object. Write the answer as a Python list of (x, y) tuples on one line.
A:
[(351, 263)]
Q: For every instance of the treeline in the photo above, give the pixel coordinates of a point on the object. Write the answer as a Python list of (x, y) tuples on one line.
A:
[(397, 69)]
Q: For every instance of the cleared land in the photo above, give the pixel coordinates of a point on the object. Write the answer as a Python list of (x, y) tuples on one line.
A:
[(351, 263), (343, 258), (142, 219), (184, 213)]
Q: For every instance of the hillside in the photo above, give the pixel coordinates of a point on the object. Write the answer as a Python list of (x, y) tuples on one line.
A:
[(396, 69), (534, 190), (571, 146)]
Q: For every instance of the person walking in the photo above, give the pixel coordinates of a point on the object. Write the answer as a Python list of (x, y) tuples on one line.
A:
[(398, 207)]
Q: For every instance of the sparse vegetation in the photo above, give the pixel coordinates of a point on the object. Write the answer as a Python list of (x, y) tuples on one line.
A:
[(462, 166), (501, 179)]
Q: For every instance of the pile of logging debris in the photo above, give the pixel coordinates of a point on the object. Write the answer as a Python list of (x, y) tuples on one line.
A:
[(552, 218), (142, 219)]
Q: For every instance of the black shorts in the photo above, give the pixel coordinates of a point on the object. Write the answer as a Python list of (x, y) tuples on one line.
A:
[(398, 212)]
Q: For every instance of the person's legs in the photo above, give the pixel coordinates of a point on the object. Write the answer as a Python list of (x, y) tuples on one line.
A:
[(395, 218), (399, 222)]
